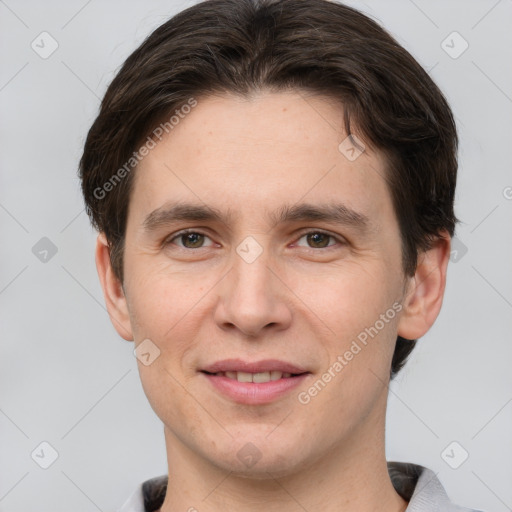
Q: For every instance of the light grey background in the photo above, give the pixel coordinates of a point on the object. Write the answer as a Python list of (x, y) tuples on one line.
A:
[(67, 378)]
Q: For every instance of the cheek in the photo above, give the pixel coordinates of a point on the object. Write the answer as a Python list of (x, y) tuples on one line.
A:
[(162, 310), (354, 378), (359, 305), (157, 299), (165, 307), (350, 296)]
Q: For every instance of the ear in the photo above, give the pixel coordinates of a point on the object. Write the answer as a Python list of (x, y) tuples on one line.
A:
[(425, 292), (113, 293)]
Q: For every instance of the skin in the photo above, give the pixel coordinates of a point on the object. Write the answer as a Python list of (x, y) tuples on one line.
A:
[(302, 300)]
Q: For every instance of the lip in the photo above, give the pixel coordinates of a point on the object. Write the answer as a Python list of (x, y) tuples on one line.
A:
[(267, 365), (254, 393)]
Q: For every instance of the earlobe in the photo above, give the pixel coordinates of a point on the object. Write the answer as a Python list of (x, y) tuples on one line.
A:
[(424, 296), (113, 293)]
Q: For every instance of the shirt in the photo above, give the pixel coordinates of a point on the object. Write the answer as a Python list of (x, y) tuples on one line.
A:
[(416, 484)]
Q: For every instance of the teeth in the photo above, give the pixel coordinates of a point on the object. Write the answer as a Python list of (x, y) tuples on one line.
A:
[(244, 377), (261, 377), (255, 377)]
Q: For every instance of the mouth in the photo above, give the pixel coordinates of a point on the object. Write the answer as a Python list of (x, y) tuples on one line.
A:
[(258, 378), (254, 383)]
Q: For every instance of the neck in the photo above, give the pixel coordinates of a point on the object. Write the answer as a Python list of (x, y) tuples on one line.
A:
[(351, 476)]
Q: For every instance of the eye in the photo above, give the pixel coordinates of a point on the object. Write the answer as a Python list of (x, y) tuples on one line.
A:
[(318, 239), (188, 240)]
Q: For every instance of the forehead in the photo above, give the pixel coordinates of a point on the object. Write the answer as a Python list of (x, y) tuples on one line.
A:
[(257, 154)]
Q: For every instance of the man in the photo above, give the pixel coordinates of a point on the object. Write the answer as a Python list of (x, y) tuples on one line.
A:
[(273, 186)]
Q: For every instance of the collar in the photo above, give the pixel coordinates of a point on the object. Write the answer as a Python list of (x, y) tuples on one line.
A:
[(416, 484)]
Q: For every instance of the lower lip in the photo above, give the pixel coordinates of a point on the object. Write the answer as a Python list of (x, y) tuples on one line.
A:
[(254, 393)]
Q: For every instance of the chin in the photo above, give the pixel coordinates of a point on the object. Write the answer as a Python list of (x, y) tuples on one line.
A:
[(257, 457), (276, 467)]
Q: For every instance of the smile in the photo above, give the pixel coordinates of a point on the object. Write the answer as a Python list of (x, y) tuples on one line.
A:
[(253, 383), (254, 377)]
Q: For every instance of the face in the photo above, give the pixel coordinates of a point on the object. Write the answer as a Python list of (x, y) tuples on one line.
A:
[(276, 310)]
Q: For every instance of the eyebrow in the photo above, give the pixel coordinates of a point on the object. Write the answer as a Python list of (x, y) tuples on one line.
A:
[(335, 213), (170, 213)]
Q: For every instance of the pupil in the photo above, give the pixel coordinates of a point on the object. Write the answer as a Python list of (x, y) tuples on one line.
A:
[(316, 239), (194, 239)]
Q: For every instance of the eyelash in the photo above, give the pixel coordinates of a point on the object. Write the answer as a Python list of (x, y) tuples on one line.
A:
[(312, 232)]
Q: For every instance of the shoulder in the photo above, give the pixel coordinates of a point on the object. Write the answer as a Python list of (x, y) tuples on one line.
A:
[(147, 497), (421, 488)]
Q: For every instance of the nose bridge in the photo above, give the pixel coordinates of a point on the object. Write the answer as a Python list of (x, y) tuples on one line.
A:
[(250, 299), (251, 273)]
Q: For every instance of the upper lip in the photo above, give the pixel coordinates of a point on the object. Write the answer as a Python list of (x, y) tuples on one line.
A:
[(267, 365)]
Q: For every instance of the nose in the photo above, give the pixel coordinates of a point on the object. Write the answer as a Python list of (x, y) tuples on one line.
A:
[(253, 298)]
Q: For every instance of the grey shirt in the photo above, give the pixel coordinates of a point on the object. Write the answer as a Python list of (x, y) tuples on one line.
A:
[(416, 484)]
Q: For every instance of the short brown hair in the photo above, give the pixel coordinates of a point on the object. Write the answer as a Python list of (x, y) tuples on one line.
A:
[(241, 46)]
